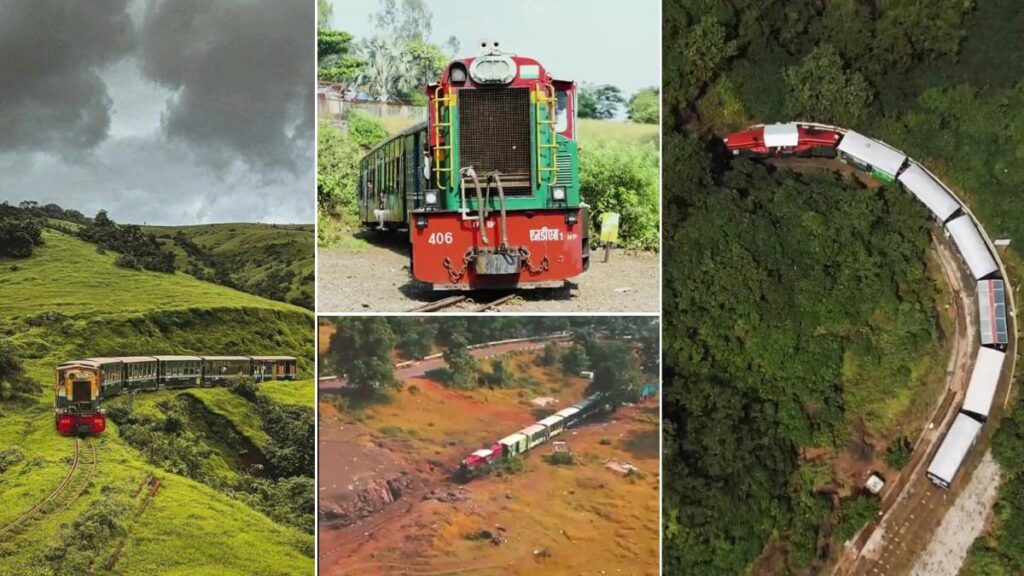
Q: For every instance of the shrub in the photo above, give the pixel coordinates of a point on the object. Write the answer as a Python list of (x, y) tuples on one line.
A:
[(19, 236), (560, 458), (899, 452), (9, 457), (622, 177), (365, 130), (82, 544)]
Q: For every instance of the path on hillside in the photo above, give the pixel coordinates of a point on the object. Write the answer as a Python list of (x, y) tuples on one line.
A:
[(375, 278)]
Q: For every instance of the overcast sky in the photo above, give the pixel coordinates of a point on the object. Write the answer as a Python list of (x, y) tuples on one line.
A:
[(600, 41), (160, 111)]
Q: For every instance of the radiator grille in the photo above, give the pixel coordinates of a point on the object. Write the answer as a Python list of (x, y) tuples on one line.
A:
[(494, 134)]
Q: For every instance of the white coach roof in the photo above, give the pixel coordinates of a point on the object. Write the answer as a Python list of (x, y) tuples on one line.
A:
[(880, 156), (971, 246), (781, 135), (551, 420), (566, 412), (982, 388), (511, 439), (931, 193), (954, 448)]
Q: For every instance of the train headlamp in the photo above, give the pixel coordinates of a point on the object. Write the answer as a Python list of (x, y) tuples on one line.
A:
[(457, 73), (431, 198), (571, 218), (558, 193), (493, 69)]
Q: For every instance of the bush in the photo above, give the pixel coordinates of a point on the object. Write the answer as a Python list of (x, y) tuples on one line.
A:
[(337, 175), (13, 380), (857, 511), (365, 130), (622, 177), (19, 236), (82, 545), (244, 387), (899, 452), (560, 458), (9, 457)]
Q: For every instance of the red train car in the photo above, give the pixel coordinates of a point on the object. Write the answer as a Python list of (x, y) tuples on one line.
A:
[(480, 458), (791, 139)]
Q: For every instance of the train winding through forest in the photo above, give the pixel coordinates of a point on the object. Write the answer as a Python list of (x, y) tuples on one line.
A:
[(82, 385), (977, 252)]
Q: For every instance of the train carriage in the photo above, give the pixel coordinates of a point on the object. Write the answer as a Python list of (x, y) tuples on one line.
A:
[(179, 371), (953, 450), (273, 368), (514, 444), (488, 188), (554, 425), (222, 370), (140, 373), (569, 416)]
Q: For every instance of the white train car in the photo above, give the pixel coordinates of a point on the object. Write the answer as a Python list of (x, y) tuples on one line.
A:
[(515, 444), (536, 434), (972, 246), (554, 424), (929, 191), (984, 379), (569, 415), (877, 158), (953, 450)]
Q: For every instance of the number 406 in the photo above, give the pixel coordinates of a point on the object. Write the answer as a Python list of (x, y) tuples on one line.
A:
[(440, 238)]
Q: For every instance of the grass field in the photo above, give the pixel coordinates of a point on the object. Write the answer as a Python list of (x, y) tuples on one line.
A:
[(99, 309), (591, 130), (250, 254)]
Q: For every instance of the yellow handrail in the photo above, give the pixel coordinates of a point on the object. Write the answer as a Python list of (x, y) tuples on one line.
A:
[(542, 98), (443, 152)]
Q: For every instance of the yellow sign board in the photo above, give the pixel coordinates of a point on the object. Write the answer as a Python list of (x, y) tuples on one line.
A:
[(610, 227)]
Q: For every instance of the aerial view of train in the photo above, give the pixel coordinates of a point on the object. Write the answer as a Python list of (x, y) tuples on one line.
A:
[(531, 436), (488, 187), (82, 385), (977, 253)]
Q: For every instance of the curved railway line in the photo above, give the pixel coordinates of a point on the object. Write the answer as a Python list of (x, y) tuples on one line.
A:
[(56, 502)]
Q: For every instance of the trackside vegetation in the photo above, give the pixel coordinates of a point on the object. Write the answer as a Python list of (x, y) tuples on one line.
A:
[(944, 82)]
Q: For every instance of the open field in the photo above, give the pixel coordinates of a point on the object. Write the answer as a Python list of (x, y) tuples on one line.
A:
[(547, 519), (189, 527)]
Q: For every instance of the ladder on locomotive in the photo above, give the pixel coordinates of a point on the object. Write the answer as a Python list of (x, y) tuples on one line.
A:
[(546, 102), (443, 151)]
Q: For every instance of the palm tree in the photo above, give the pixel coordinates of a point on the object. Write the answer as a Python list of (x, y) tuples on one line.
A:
[(385, 70)]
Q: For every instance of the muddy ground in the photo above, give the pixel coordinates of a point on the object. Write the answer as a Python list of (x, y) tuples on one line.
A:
[(548, 519), (374, 277)]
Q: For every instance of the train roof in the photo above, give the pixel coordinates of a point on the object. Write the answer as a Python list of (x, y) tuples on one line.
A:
[(984, 379), (510, 439), (86, 362), (566, 412), (125, 359), (177, 358), (992, 312), (531, 429), (482, 453), (218, 358), (954, 448), (273, 357), (410, 130), (781, 135), (879, 155), (553, 419), (929, 191), (972, 246)]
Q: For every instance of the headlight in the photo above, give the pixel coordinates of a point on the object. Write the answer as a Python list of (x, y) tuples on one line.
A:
[(558, 193), (431, 198), (457, 73)]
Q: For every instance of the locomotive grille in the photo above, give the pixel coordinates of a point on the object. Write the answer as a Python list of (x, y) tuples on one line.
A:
[(494, 134)]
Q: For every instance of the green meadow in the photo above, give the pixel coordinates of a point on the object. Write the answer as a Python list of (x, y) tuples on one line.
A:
[(69, 301)]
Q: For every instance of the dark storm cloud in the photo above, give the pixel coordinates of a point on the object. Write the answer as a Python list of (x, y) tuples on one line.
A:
[(52, 97), (242, 77)]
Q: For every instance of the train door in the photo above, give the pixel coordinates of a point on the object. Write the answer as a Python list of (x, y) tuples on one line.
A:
[(565, 108)]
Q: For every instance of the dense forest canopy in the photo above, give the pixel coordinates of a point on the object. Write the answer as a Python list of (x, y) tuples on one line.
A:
[(773, 280)]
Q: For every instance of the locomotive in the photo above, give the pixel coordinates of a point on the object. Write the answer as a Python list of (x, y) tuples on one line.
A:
[(531, 436), (488, 187), (82, 385), (977, 253)]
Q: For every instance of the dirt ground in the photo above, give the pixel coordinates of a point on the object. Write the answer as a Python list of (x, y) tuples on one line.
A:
[(579, 519), (374, 277)]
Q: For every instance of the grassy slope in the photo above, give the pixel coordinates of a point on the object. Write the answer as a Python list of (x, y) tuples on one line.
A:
[(189, 528), (264, 247)]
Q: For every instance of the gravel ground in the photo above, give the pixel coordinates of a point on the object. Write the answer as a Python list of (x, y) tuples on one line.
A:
[(375, 278), (963, 523)]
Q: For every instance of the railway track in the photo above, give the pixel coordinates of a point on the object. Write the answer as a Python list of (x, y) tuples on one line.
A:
[(450, 301), (63, 496)]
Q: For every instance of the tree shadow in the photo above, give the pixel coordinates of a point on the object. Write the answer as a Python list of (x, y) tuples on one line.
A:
[(643, 444)]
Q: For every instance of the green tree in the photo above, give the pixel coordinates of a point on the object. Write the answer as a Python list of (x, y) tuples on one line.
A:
[(19, 236), (385, 76), (361, 352), (574, 360), (336, 60), (461, 364), (324, 13), (643, 107), (617, 374), (822, 90), (415, 336), (599, 101), (549, 357)]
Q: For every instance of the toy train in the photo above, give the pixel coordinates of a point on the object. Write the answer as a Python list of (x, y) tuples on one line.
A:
[(888, 164), (82, 385), (531, 436), (488, 188)]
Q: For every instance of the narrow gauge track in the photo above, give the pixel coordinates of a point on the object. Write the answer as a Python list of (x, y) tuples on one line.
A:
[(65, 487), (450, 301)]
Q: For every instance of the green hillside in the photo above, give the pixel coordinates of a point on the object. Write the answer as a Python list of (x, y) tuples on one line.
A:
[(215, 512), (272, 260)]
